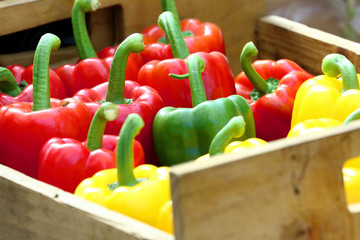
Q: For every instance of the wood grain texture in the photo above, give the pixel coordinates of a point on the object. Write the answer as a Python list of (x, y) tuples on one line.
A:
[(290, 189), (31, 209), (236, 18), (277, 38)]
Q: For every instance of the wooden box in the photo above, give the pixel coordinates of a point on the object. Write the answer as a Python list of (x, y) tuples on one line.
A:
[(289, 189)]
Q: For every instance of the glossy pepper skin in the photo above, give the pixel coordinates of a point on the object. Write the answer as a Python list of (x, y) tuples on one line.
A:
[(90, 70), (272, 99), (198, 36), (27, 126), (223, 142), (184, 134), (328, 96), (217, 77), (65, 162), (121, 189), (128, 95)]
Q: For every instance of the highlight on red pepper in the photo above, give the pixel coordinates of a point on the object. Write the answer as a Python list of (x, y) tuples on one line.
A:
[(217, 77), (198, 36), (90, 70), (270, 87), (65, 162), (336, 94), (223, 142), (26, 126), (139, 193), (184, 134), (128, 95)]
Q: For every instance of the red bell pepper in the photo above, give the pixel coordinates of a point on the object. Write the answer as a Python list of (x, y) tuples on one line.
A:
[(65, 162), (271, 100), (217, 77), (90, 70), (129, 96), (25, 126), (198, 36)]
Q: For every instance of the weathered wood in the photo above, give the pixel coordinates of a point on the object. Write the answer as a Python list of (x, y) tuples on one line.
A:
[(289, 189), (123, 18), (31, 209), (277, 38)]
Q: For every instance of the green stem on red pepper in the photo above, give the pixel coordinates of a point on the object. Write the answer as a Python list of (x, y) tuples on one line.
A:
[(41, 92), (124, 153), (261, 87), (81, 36), (168, 23), (196, 66), (116, 88), (334, 65), (170, 5), (106, 112), (235, 128), (8, 84)]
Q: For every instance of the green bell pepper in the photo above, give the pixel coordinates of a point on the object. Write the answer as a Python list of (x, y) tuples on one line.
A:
[(184, 134)]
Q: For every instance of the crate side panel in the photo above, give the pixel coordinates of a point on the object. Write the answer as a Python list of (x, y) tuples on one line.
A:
[(289, 189)]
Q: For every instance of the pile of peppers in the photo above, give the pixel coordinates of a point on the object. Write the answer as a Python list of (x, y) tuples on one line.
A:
[(110, 127)]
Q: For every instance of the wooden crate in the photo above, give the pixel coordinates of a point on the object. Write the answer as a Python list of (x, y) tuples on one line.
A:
[(289, 189)]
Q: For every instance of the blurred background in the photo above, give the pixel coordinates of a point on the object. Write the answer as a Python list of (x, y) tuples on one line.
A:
[(340, 17)]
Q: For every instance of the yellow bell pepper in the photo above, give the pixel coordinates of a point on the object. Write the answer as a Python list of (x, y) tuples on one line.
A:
[(328, 96), (222, 140), (140, 193), (313, 125)]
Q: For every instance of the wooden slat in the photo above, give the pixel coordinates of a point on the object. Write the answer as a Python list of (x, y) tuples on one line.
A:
[(290, 189), (31, 209), (277, 38)]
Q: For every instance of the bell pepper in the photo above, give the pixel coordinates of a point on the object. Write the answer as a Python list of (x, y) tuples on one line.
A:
[(327, 96), (223, 142), (217, 77), (270, 87), (27, 126), (124, 189), (198, 36), (184, 134), (90, 70), (128, 95), (65, 162)]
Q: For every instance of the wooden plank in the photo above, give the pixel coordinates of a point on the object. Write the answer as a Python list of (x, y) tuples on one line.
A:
[(277, 38), (289, 189), (31, 209)]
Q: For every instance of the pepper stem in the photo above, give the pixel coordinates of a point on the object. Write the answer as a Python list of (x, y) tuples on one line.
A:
[(196, 66), (355, 115), (106, 112), (334, 65), (8, 84), (256, 80), (116, 88), (81, 35), (41, 92), (235, 128), (125, 153), (168, 23), (170, 5)]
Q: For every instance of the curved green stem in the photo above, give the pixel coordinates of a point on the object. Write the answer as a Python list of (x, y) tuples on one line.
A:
[(8, 84), (116, 88), (41, 92), (355, 115), (125, 153), (196, 66), (235, 128), (81, 35), (169, 24), (106, 112), (256, 80), (170, 5), (334, 65)]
